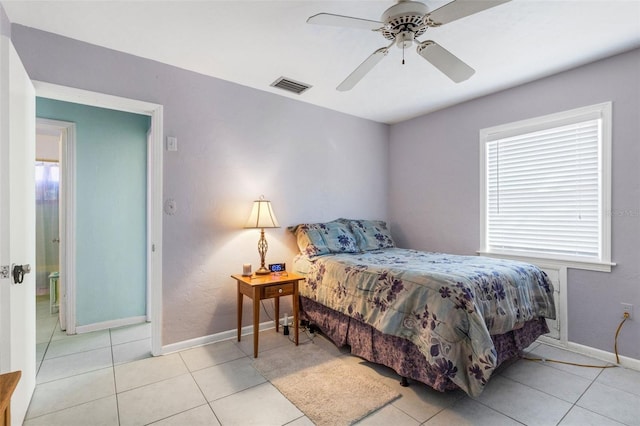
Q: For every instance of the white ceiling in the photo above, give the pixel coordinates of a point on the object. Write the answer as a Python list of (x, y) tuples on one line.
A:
[(254, 42)]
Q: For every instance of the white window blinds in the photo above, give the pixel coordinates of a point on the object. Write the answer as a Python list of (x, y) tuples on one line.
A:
[(544, 191)]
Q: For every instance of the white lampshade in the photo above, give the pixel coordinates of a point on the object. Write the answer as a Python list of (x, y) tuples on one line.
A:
[(262, 215)]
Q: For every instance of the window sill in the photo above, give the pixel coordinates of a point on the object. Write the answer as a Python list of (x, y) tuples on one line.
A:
[(538, 260)]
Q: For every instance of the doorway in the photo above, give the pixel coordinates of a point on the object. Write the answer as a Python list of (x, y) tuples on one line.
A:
[(49, 139), (154, 199)]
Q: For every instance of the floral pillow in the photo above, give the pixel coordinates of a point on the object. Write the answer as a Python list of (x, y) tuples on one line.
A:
[(339, 238), (316, 239), (309, 238), (372, 234)]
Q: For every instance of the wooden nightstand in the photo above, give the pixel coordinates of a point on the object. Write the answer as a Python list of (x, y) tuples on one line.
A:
[(259, 287), (8, 383)]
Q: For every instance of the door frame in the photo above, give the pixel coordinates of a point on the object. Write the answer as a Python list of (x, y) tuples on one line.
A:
[(66, 209), (154, 190)]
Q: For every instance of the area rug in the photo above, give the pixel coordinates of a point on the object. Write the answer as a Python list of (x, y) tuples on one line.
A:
[(327, 389)]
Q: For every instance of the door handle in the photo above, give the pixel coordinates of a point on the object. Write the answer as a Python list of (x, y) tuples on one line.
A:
[(55, 240), (18, 271)]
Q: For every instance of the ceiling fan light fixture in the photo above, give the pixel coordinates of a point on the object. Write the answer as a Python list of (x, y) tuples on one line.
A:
[(405, 39)]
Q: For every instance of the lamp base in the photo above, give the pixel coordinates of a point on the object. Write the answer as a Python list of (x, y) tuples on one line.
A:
[(263, 271)]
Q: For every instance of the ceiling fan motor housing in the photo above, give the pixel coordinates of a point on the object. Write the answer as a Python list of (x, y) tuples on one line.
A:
[(404, 17)]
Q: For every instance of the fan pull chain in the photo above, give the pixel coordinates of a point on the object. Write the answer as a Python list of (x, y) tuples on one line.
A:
[(402, 53)]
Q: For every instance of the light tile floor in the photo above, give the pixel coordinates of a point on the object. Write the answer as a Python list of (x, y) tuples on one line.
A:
[(110, 378)]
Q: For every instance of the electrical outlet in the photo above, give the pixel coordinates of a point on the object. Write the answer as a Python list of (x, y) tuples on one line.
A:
[(628, 309)]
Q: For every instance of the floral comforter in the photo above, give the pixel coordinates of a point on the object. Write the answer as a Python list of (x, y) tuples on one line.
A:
[(447, 305)]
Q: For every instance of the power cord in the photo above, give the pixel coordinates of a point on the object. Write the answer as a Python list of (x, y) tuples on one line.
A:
[(615, 348), (615, 340), (307, 329), (568, 363)]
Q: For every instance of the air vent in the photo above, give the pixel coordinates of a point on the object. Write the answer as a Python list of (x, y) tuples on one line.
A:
[(290, 85)]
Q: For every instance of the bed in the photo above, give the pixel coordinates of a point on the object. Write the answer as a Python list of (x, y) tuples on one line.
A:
[(445, 320)]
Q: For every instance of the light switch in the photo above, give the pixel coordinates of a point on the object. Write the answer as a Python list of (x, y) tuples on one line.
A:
[(172, 143)]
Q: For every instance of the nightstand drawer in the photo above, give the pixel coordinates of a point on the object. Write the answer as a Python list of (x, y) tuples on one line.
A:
[(278, 290)]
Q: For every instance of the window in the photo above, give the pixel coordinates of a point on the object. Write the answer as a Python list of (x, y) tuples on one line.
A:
[(545, 188)]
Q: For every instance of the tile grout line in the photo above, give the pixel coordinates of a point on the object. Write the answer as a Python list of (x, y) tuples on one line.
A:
[(575, 404), (46, 349), (78, 352), (547, 393), (113, 372), (607, 386), (66, 408), (199, 388), (112, 366), (533, 389), (496, 410)]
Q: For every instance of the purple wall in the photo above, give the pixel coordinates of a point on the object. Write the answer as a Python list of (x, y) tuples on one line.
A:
[(434, 185), (235, 143)]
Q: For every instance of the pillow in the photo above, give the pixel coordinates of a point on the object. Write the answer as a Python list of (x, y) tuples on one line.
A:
[(309, 238), (372, 234), (338, 238), (316, 239)]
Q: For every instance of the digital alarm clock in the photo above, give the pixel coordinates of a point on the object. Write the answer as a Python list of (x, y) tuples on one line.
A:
[(277, 267)]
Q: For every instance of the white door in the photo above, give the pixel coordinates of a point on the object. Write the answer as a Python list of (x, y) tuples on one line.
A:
[(17, 225)]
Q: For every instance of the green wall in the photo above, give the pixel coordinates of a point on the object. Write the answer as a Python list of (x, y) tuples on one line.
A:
[(111, 197)]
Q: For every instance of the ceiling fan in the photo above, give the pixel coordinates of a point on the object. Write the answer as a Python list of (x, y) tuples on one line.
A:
[(403, 23)]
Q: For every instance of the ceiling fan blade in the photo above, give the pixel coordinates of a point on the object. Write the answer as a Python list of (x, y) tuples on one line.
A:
[(344, 21), (459, 9), (445, 61), (363, 69)]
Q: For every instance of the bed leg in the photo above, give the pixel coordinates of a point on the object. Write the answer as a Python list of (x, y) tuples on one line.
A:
[(403, 382)]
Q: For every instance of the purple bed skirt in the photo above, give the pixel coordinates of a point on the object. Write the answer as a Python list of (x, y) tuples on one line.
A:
[(400, 354)]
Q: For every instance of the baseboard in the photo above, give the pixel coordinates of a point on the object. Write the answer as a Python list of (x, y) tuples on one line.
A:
[(610, 357), (105, 325), (626, 362), (213, 338)]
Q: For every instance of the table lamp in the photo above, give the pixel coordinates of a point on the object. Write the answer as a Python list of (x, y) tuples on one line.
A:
[(261, 217)]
